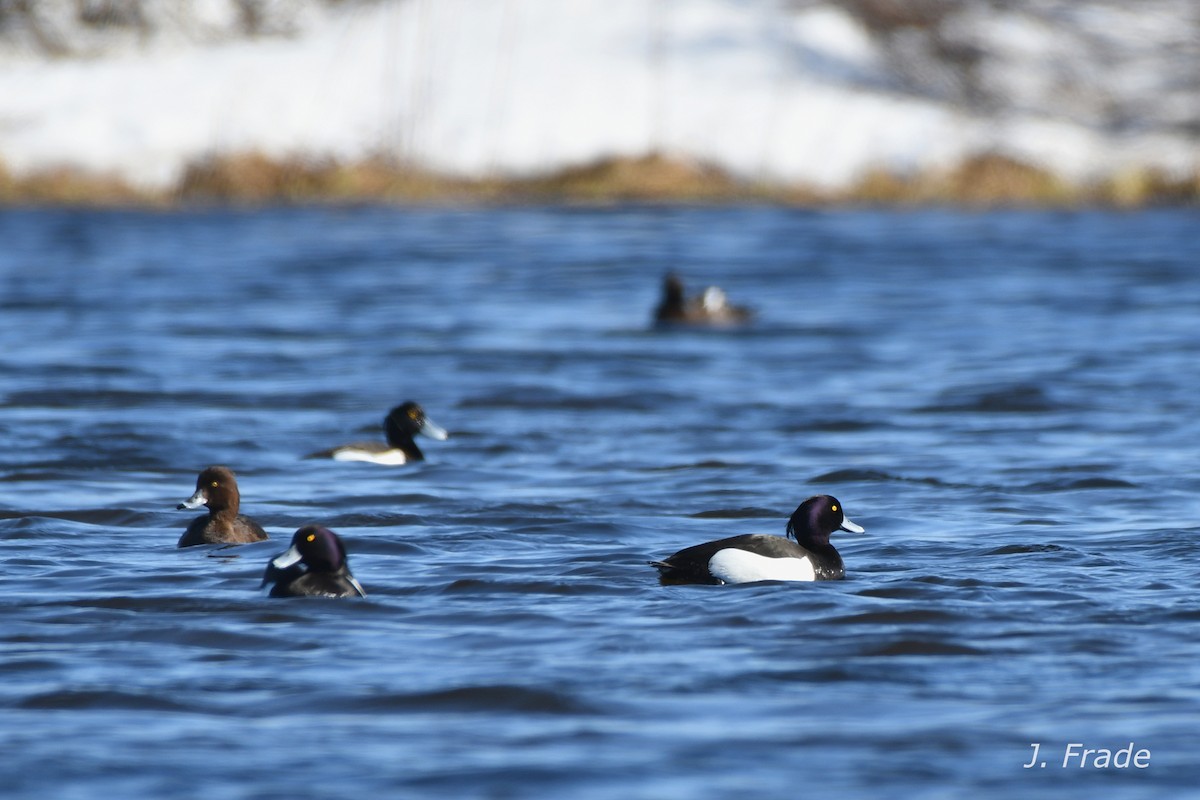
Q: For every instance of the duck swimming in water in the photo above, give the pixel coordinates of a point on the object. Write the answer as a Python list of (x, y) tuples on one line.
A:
[(712, 308), (314, 566), (216, 487), (758, 557), (400, 426)]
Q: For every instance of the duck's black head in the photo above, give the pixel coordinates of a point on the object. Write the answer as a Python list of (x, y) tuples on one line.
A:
[(405, 421), (673, 289), (672, 304), (216, 487), (817, 518), (318, 549)]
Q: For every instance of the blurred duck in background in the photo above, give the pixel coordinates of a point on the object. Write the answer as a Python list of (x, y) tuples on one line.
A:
[(400, 426), (711, 308)]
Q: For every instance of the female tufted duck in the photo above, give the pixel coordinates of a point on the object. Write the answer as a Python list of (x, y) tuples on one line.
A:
[(327, 574), (400, 425), (711, 308), (216, 487), (758, 557)]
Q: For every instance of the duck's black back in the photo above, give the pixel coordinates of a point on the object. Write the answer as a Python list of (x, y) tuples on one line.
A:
[(300, 583), (690, 565)]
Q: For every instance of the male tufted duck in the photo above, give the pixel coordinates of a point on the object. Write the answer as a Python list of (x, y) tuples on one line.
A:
[(401, 423), (758, 557), (327, 574), (711, 308), (216, 487)]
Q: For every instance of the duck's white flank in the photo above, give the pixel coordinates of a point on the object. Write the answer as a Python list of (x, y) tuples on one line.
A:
[(741, 566), (389, 457)]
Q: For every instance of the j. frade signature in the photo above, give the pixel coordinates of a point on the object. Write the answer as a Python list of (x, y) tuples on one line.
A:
[(1074, 754)]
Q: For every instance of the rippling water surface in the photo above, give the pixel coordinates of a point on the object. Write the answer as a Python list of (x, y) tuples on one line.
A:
[(1006, 401)]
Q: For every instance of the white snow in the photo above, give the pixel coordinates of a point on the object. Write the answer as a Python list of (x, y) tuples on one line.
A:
[(476, 87)]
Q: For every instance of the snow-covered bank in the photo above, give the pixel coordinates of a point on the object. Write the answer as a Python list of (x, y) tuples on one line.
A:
[(789, 92)]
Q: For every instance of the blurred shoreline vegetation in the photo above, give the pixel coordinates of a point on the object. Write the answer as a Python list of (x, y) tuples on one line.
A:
[(960, 53), (253, 179)]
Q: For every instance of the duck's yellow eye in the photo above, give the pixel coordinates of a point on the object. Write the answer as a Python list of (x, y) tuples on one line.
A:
[(215, 484), (413, 413), (311, 537), (834, 508)]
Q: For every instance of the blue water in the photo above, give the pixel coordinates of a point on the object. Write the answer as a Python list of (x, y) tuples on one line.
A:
[(1006, 401)]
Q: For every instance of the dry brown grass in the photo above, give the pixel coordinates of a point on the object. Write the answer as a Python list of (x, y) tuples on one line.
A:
[(650, 178), (67, 186), (255, 179), (880, 187), (987, 180), (997, 180), (1134, 188)]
